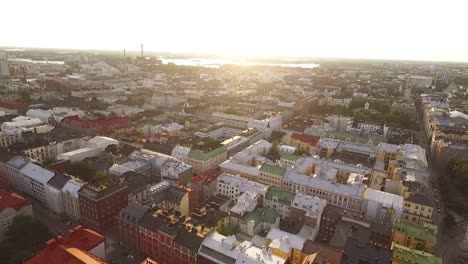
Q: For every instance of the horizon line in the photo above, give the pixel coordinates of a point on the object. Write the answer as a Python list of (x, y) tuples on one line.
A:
[(181, 53)]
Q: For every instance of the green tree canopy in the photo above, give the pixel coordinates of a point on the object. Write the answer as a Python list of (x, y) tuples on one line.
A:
[(84, 170), (23, 238), (273, 154)]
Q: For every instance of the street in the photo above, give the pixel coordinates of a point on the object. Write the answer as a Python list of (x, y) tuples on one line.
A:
[(117, 254), (56, 224)]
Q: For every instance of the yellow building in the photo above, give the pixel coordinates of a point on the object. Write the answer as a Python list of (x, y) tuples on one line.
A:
[(405, 255), (202, 161), (301, 141), (271, 175), (418, 209), (286, 245), (420, 237)]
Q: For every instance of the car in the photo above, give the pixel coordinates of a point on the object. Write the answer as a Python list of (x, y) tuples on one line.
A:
[(130, 257), (68, 223)]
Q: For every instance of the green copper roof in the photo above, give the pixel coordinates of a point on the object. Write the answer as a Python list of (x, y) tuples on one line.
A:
[(200, 155), (406, 255), (283, 197), (273, 169), (289, 156), (261, 215), (425, 232)]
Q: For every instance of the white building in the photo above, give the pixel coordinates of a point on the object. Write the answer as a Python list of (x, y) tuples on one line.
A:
[(94, 147), (21, 122), (34, 179), (54, 193), (256, 255), (233, 186), (180, 153), (70, 198)]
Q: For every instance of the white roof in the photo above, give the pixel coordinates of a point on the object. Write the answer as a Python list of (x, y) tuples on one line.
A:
[(388, 147), (256, 255), (73, 186), (246, 203), (313, 205), (37, 173), (174, 127), (22, 122), (118, 169), (415, 153), (388, 200), (242, 184), (102, 142), (285, 241), (454, 114), (228, 246), (85, 152)]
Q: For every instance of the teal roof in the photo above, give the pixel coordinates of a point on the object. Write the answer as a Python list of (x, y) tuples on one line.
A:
[(406, 255), (200, 155), (289, 156), (283, 197), (426, 232), (261, 215), (273, 169)]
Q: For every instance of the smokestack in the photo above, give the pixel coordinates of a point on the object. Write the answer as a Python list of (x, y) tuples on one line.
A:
[(125, 56), (141, 50)]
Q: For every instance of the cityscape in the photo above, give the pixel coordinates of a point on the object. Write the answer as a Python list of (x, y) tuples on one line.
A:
[(150, 155)]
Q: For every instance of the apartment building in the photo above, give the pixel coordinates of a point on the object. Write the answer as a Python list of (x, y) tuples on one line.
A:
[(420, 237), (418, 209), (98, 205)]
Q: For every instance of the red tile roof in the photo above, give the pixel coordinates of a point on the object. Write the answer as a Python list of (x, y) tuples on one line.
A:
[(12, 105), (12, 200), (72, 249), (313, 140), (107, 125), (207, 177)]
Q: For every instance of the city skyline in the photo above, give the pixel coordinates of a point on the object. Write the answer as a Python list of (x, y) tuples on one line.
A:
[(335, 29)]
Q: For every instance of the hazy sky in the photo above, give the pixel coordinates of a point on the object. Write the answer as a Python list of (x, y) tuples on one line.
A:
[(396, 29)]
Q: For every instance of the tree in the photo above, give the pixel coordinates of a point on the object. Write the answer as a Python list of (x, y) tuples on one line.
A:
[(273, 154), (231, 111), (22, 239), (253, 162), (24, 97), (84, 170)]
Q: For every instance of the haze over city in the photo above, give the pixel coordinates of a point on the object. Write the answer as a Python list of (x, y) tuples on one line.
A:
[(233, 132), (410, 30)]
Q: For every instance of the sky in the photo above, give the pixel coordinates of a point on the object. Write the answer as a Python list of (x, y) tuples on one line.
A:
[(396, 29)]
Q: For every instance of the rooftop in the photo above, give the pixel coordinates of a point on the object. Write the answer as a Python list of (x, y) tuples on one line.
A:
[(74, 248), (324, 254), (261, 215), (256, 255), (285, 241), (201, 155), (357, 251), (12, 200), (406, 255), (426, 232), (58, 181), (313, 140), (273, 169), (99, 193), (283, 197)]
